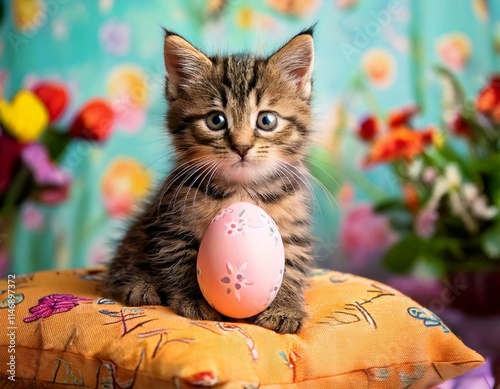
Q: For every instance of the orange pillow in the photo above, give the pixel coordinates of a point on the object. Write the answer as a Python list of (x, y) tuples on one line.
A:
[(360, 334)]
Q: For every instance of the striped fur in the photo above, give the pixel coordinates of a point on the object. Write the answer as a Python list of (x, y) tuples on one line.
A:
[(155, 263)]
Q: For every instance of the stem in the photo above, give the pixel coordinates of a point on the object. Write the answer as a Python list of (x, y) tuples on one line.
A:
[(15, 192)]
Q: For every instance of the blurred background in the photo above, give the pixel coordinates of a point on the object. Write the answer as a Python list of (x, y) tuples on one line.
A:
[(406, 156)]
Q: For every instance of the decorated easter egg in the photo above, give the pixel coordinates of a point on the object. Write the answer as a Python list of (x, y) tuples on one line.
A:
[(241, 261)]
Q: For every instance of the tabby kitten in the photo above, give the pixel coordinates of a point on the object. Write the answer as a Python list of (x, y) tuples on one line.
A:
[(240, 126)]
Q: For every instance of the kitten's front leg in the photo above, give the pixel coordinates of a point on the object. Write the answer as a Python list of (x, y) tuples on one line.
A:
[(131, 287), (194, 308), (184, 294), (286, 313)]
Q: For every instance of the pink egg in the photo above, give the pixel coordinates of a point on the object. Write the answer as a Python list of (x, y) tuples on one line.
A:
[(241, 261)]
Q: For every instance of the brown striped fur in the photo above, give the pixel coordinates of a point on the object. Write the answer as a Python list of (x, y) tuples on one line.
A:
[(155, 263)]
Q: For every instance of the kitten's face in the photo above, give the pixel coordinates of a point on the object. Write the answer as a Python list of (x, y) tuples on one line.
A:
[(240, 118)]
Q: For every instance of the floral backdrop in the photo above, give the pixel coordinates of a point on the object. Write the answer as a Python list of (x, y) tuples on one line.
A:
[(407, 137), (370, 58)]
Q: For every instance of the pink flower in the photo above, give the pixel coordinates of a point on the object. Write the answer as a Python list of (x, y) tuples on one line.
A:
[(35, 156), (425, 223), (32, 218), (115, 37), (52, 304), (364, 235)]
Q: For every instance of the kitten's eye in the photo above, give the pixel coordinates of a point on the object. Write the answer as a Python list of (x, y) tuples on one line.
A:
[(267, 121), (216, 121)]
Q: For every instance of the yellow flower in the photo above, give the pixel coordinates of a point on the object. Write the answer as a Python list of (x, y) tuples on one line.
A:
[(25, 118), (438, 139)]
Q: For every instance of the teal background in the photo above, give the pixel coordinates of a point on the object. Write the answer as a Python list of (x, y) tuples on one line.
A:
[(67, 45)]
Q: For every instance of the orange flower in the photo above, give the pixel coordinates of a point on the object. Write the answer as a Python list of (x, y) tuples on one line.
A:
[(401, 143), (488, 101), (411, 198), (402, 116)]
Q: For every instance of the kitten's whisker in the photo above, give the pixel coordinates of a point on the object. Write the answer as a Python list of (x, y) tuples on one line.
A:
[(182, 171), (324, 171), (203, 171), (328, 194), (279, 174), (196, 169), (211, 176), (309, 187), (212, 168)]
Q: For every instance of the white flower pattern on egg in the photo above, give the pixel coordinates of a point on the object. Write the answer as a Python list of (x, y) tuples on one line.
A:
[(221, 214), (235, 278), (236, 226)]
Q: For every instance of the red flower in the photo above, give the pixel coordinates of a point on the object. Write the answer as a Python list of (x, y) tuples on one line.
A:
[(402, 116), (94, 121), (369, 128), (54, 96), (10, 152), (460, 127), (488, 100)]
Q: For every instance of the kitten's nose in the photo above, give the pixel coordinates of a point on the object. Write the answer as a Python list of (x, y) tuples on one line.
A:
[(242, 150)]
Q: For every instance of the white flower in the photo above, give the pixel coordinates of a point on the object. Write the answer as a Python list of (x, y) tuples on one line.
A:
[(415, 169), (477, 202), (447, 183)]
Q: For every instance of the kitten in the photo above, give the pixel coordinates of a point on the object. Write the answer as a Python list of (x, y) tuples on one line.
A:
[(240, 126)]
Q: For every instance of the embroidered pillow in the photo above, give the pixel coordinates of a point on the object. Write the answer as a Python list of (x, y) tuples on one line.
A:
[(360, 334)]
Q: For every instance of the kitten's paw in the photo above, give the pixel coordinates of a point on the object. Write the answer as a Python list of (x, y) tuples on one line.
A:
[(142, 293), (281, 320), (195, 310)]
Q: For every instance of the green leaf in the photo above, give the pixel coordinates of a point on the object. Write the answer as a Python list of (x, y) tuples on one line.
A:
[(402, 256), (491, 242), (447, 76)]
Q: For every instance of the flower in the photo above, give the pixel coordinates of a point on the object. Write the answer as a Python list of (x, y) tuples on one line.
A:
[(455, 50), (459, 126), (10, 150), (477, 202), (236, 277), (369, 128), (94, 121), (54, 96), (402, 143), (236, 226), (25, 118), (35, 156), (32, 218), (124, 183), (425, 223), (364, 235), (488, 100), (402, 116), (115, 37), (379, 66), (411, 197), (52, 304)]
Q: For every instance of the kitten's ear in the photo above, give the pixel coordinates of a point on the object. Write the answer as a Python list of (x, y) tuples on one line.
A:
[(295, 60), (184, 62)]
